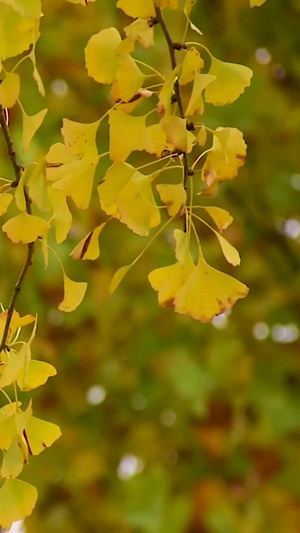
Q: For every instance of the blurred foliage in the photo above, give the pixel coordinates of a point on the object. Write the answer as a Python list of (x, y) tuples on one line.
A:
[(169, 425)]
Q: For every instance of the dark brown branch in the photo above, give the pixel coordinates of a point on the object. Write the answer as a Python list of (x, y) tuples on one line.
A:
[(172, 47), (30, 249)]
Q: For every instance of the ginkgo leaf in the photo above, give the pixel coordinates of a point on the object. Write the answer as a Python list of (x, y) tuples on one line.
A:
[(29, 8), (5, 200), (26, 28), (58, 154), (128, 77), (208, 292), (140, 31), (141, 9), (82, 2), (40, 434), (17, 500), (9, 89), (7, 429), (36, 75), (166, 93), (231, 81), (230, 253), (115, 179), (127, 133), (101, 59), (34, 375), (182, 240), (168, 281), (227, 154), (13, 461), (157, 140), (256, 3), (25, 228), (74, 292), (174, 198), (192, 64), (177, 134), (80, 139), (11, 369), (37, 186), (20, 194), (196, 103), (30, 126), (74, 179), (126, 46), (202, 136), (61, 214), (221, 218), (118, 277), (88, 247)]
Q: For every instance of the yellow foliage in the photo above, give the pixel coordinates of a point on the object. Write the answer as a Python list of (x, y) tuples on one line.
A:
[(9, 89), (227, 154), (231, 81)]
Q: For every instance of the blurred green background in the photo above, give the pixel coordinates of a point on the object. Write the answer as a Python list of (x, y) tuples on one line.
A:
[(170, 425)]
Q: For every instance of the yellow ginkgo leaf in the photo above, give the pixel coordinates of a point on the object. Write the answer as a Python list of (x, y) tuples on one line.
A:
[(74, 292), (9, 89), (196, 103), (61, 214), (127, 133), (30, 126), (168, 280), (11, 368), (177, 134), (80, 139), (174, 198), (36, 76), (182, 240), (13, 461), (129, 78), (231, 81), (256, 3), (26, 28), (192, 64), (74, 179), (127, 46), (37, 186), (57, 155), (7, 424), (16, 322), (88, 247), (140, 31), (141, 9), (25, 228), (40, 434), (115, 179), (208, 292), (29, 8), (157, 141), (118, 277), (171, 4), (227, 154), (17, 500), (82, 2), (20, 194), (166, 93), (35, 374), (221, 218), (5, 200), (230, 253), (101, 59)]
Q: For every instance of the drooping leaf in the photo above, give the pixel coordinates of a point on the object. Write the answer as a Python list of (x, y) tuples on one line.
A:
[(140, 9), (29, 8), (88, 247), (127, 133), (196, 103), (168, 280), (5, 200), (221, 218), (230, 253), (157, 141), (35, 374), (192, 64), (174, 198), (177, 134), (61, 214), (74, 179), (11, 368), (30, 126), (208, 292), (37, 186), (9, 89), (202, 136), (25, 228), (115, 179), (13, 461), (40, 434), (140, 31), (101, 59), (166, 93), (227, 154), (118, 277), (74, 292), (182, 240), (231, 81), (80, 139), (13, 23), (128, 77), (17, 500)]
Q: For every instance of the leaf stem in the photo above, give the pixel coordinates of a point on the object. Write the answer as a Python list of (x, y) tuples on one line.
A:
[(30, 249), (172, 48)]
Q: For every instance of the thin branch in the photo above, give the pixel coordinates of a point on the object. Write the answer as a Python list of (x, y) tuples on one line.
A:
[(172, 47), (30, 249)]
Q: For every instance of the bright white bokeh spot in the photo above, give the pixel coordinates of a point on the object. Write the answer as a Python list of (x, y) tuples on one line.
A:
[(129, 466), (263, 56), (295, 181), (55, 318), (168, 417), (59, 87), (291, 228), (17, 527), (285, 334), (220, 321), (261, 331), (139, 402), (95, 395)]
